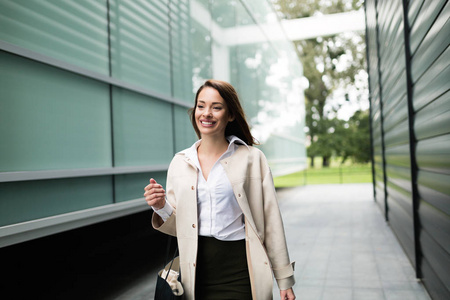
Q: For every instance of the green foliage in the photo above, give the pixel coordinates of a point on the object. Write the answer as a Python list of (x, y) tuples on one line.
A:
[(359, 145), (346, 139)]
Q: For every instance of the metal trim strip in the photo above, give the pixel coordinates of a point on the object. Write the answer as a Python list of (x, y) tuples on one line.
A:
[(25, 231), (72, 173)]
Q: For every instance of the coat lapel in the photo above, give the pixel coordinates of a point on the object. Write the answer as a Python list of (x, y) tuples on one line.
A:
[(236, 168)]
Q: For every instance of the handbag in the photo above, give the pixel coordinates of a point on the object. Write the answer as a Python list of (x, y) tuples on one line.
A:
[(168, 284)]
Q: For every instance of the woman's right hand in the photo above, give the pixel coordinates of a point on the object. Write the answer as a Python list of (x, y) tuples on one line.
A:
[(155, 195)]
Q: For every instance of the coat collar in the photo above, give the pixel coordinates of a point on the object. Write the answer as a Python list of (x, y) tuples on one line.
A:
[(191, 155)]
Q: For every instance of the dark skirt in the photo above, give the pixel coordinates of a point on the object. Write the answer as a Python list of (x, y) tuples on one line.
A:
[(222, 270)]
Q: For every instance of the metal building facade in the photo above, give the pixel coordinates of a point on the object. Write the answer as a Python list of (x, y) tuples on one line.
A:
[(408, 62), (94, 98)]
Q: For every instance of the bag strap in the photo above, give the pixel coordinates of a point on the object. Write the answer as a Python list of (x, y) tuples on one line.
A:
[(169, 240)]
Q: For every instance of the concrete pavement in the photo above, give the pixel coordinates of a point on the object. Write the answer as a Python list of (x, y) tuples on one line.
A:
[(342, 246)]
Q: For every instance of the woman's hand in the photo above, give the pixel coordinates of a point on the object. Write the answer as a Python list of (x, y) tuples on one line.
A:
[(155, 195), (287, 294)]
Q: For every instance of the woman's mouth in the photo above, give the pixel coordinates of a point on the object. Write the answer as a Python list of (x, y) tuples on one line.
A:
[(207, 123)]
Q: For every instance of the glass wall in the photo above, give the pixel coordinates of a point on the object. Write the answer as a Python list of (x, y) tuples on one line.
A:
[(250, 51), (94, 99)]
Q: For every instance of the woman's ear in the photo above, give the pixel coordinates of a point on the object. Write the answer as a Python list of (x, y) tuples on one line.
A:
[(231, 119)]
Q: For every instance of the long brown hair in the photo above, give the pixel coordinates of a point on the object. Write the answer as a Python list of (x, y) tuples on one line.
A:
[(239, 126)]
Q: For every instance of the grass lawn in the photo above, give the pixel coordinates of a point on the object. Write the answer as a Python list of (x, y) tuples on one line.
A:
[(336, 173)]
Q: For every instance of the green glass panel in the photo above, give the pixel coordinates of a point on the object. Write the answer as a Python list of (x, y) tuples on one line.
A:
[(72, 31), (201, 56), (131, 186), (51, 119), (181, 50), (140, 52), (29, 200), (143, 129), (184, 132)]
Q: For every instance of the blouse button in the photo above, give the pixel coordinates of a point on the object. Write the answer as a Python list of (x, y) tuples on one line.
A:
[(265, 263), (192, 187), (193, 225), (239, 195), (193, 264)]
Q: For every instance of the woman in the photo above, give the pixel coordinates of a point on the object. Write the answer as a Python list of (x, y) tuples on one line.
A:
[(222, 207)]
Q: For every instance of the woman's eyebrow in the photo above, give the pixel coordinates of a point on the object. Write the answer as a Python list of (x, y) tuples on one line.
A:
[(214, 103)]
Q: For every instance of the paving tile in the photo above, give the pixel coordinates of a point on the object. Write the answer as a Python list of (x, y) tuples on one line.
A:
[(342, 283), (400, 294), (308, 293), (367, 283), (396, 284), (339, 274), (311, 282), (333, 293), (422, 294), (368, 294)]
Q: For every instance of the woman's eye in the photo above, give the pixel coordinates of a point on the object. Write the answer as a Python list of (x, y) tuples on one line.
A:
[(217, 108), (199, 106)]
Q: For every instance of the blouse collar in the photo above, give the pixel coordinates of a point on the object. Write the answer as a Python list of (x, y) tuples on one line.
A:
[(232, 146)]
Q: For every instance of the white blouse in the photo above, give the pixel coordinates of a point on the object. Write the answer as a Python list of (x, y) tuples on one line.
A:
[(219, 214)]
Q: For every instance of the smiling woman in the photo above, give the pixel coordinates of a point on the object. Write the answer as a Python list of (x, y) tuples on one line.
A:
[(222, 206), (225, 96), (211, 113)]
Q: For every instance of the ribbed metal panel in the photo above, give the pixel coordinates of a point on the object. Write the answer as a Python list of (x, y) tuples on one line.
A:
[(414, 98), (71, 31), (395, 115), (372, 53), (430, 70), (140, 50)]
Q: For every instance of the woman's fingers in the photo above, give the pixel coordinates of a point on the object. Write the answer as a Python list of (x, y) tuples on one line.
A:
[(287, 294), (155, 194), (156, 200), (153, 186), (154, 190)]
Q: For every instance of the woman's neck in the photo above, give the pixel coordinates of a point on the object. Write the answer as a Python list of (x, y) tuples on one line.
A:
[(213, 145)]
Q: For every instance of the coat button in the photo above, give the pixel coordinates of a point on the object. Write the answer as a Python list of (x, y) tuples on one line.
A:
[(265, 263), (239, 195), (192, 188), (193, 264), (193, 225)]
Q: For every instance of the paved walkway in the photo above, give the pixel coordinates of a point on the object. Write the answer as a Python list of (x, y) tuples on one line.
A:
[(342, 246)]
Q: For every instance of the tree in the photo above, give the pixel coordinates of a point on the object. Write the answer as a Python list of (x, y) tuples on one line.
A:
[(329, 63), (359, 146)]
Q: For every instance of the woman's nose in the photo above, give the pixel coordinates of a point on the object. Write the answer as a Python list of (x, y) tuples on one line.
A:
[(207, 113)]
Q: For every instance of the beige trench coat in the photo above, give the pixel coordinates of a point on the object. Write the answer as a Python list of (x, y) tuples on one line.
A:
[(252, 184)]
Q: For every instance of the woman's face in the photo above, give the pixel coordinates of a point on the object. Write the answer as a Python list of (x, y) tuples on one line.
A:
[(211, 113)]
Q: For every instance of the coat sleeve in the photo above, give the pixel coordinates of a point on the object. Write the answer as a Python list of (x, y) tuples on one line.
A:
[(169, 226), (275, 239)]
